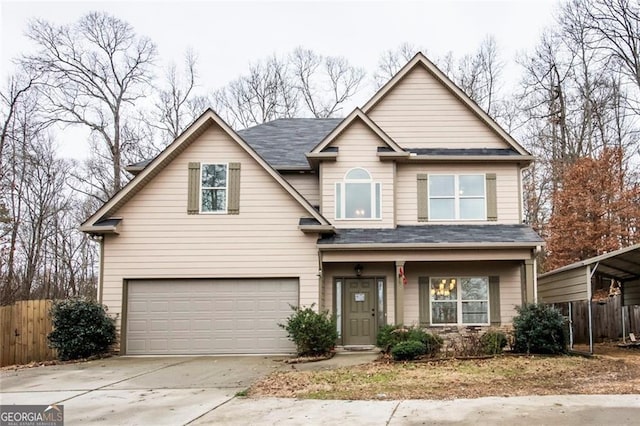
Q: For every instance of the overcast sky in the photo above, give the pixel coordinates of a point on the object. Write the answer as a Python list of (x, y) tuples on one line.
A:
[(227, 36)]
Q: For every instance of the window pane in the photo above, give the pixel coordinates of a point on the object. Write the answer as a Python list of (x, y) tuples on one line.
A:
[(338, 200), (444, 313), (358, 174), (378, 203), (441, 186), (475, 312), (475, 289), (444, 289), (441, 208), (214, 175), (357, 200), (338, 312), (472, 208), (471, 186), (213, 200), (381, 319)]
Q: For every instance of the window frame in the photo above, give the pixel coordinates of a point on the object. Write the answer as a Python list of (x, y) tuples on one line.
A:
[(202, 188), (457, 197), (459, 301), (340, 196)]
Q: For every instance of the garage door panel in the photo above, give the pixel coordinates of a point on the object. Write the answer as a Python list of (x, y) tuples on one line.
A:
[(209, 316)]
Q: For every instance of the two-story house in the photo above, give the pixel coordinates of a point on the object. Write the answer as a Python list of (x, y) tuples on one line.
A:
[(408, 211)]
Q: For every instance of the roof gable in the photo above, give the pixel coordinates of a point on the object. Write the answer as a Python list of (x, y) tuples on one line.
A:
[(357, 114), (419, 60), (197, 128)]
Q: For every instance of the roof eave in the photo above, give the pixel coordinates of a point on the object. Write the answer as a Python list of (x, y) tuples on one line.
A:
[(134, 170), (412, 246), (99, 230), (525, 159), (322, 156), (317, 229), (393, 155)]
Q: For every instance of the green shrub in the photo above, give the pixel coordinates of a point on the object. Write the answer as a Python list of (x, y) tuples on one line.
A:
[(314, 333), (433, 343), (539, 329), (409, 350), (493, 342), (81, 328), (390, 335)]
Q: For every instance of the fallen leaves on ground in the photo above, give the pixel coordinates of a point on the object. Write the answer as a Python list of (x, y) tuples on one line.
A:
[(449, 379)]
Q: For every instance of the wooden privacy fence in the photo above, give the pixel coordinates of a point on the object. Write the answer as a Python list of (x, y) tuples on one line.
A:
[(607, 319), (24, 327)]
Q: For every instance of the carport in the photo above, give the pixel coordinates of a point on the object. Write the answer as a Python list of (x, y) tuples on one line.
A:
[(573, 283)]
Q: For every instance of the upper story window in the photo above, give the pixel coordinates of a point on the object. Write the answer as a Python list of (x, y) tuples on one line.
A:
[(213, 188), (358, 196), (457, 197)]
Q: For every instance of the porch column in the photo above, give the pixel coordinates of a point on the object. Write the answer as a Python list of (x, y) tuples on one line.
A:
[(399, 293), (528, 280)]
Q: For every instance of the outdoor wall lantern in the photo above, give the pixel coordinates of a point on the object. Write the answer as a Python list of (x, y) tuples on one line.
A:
[(358, 269)]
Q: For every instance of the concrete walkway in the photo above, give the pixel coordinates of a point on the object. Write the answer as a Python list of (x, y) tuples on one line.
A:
[(568, 410)]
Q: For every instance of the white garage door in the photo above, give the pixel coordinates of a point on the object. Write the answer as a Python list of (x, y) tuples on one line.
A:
[(209, 316)]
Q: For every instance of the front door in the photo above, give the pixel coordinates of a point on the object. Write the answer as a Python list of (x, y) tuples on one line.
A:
[(360, 311)]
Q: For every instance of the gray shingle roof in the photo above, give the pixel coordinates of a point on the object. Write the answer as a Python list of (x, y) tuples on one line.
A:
[(284, 142), (435, 234)]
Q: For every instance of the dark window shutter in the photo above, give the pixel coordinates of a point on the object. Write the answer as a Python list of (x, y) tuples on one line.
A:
[(423, 200), (494, 300), (193, 190), (492, 198), (423, 301), (233, 201)]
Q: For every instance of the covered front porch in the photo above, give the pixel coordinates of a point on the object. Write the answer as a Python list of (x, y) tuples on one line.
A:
[(436, 289)]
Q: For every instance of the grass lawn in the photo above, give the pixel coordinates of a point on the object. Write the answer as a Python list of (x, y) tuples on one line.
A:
[(448, 379)]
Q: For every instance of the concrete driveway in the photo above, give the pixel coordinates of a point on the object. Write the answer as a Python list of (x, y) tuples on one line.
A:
[(201, 390), (136, 390)]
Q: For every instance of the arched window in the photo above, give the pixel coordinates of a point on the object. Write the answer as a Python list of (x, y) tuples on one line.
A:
[(358, 196)]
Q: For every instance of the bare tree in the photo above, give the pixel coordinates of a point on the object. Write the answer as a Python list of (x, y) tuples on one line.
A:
[(20, 131), (615, 26), (478, 74), (95, 69), (177, 104), (316, 76), (392, 60), (262, 95)]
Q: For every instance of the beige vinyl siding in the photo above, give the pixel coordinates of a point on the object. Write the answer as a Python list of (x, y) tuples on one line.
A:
[(510, 288), (358, 148), (564, 286), (306, 184), (507, 189), (631, 291), (159, 240), (421, 113)]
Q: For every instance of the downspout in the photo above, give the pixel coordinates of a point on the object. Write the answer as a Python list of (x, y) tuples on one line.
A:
[(589, 297), (537, 251), (101, 269), (570, 326)]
